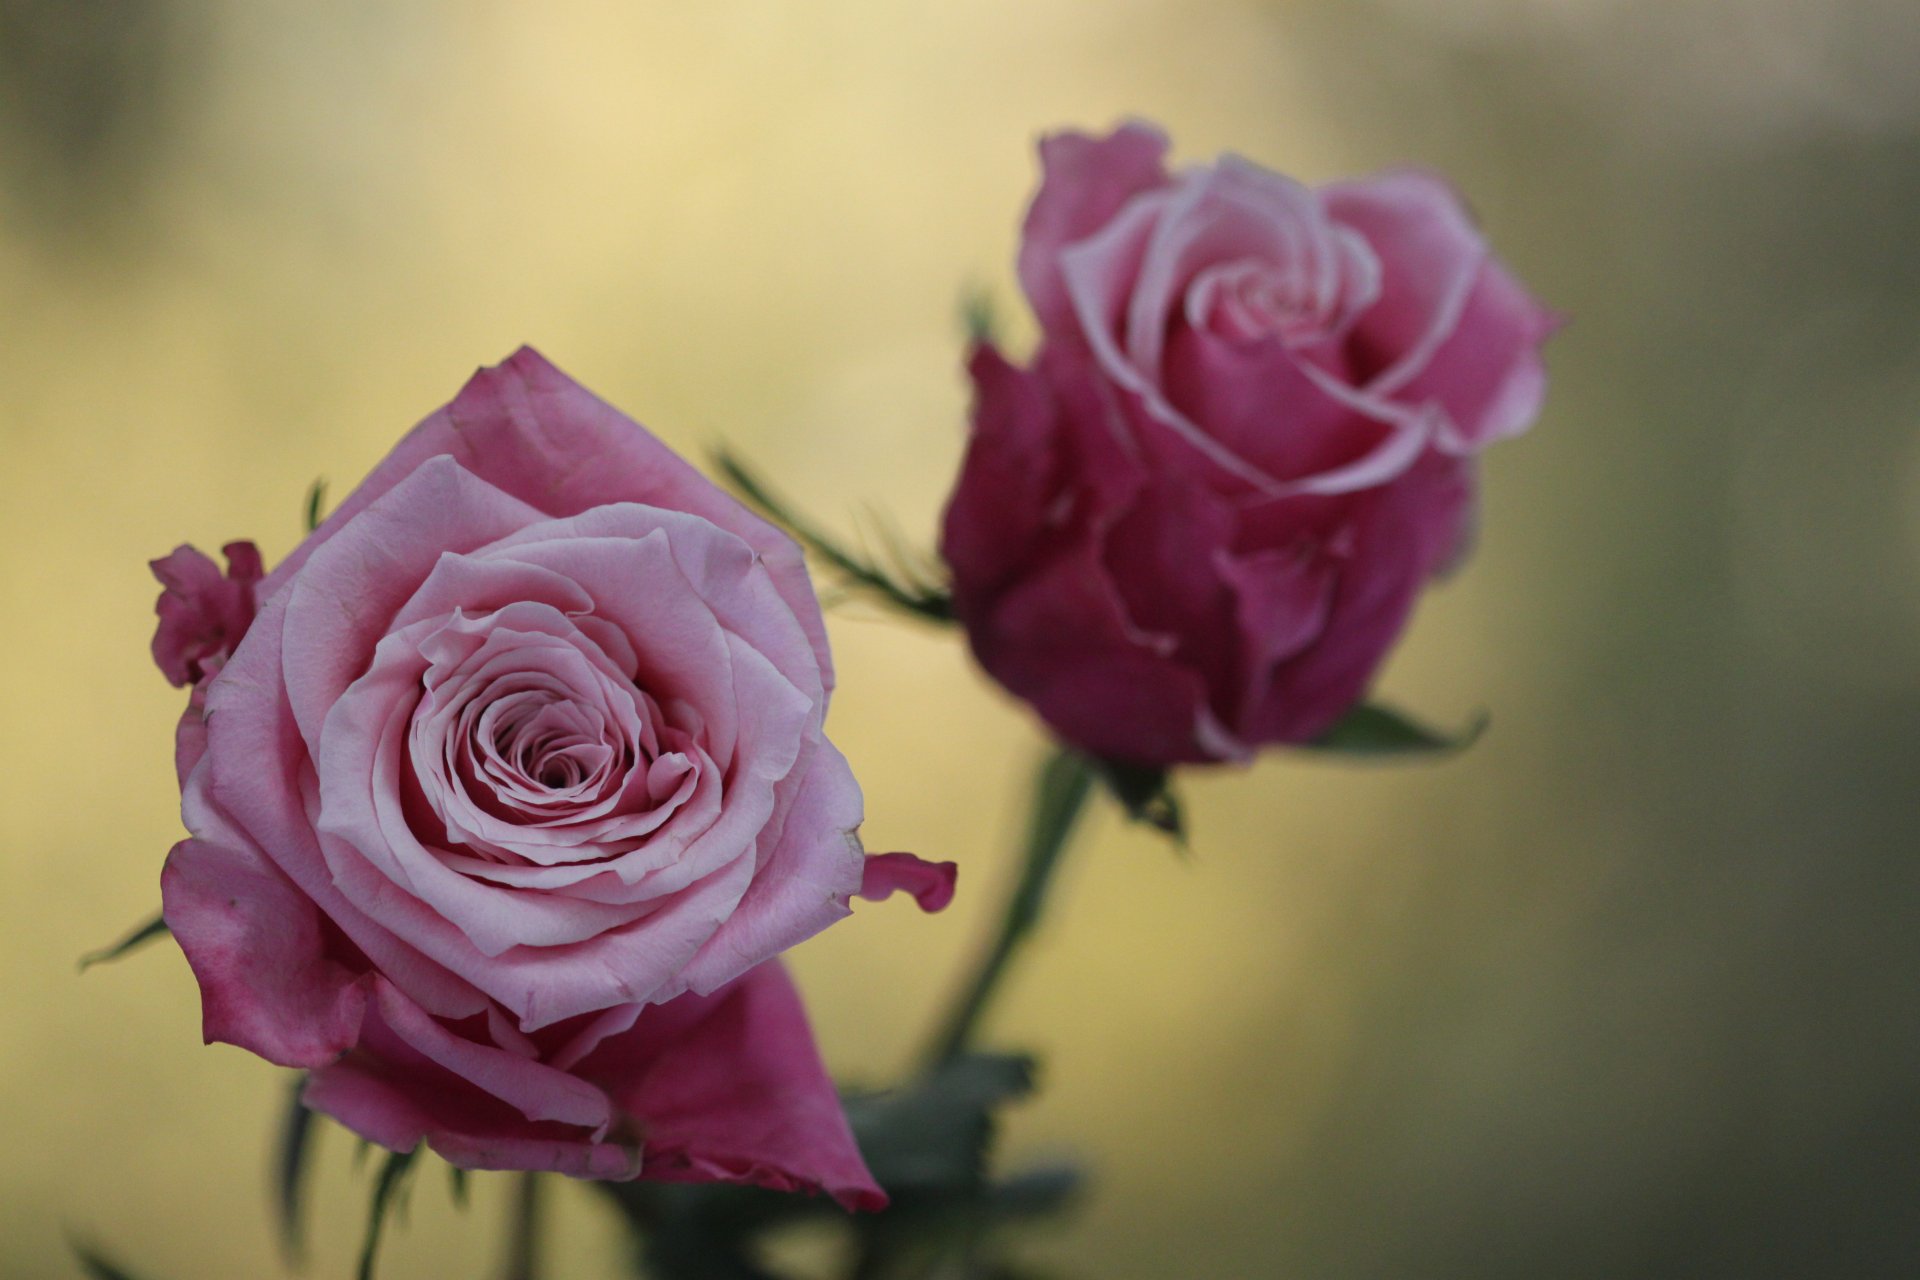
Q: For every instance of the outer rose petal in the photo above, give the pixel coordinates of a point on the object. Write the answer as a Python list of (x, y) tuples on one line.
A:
[(406, 1084), (1085, 182), (202, 614), (726, 1087), (1060, 638), (1393, 552), (530, 430), (802, 885), (255, 944), (730, 1088), (998, 508), (1452, 325)]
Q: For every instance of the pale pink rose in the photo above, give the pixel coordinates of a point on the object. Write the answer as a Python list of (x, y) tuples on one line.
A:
[(510, 794), (1198, 521)]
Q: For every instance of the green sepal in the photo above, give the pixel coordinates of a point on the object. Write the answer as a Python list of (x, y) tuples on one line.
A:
[(133, 941), (911, 587), (978, 318), (292, 1161), (386, 1190), (97, 1265), (1146, 793), (1373, 730), (315, 497)]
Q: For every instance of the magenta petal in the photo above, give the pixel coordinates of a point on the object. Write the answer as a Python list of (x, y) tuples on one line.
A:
[(1489, 377), (1086, 180), (255, 945), (203, 614), (930, 883), (1395, 538), (478, 1106), (730, 1088), (998, 507), (1452, 326), (1061, 639)]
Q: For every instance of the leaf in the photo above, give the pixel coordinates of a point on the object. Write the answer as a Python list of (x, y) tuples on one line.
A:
[(457, 1184), (97, 1265), (927, 1142), (1146, 793), (392, 1174), (1372, 730), (1036, 1193), (930, 1138), (920, 599), (978, 318), (290, 1171), (138, 938), (315, 497)]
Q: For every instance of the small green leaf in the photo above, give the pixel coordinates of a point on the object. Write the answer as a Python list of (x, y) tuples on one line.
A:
[(1036, 1193), (315, 497), (978, 318), (97, 1265), (1146, 793), (1370, 730), (922, 599), (392, 1174), (930, 1138), (154, 928), (290, 1172)]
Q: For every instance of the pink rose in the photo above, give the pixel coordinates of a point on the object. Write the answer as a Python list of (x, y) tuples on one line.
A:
[(504, 802), (1199, 520)]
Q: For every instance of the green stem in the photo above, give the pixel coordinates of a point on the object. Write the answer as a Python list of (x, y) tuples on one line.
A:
[(1060, 793), (523, 1229)]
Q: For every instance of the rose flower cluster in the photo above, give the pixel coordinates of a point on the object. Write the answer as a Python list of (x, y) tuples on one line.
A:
[(509, 785)]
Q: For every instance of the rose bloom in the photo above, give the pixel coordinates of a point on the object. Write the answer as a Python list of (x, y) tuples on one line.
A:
[(506, 797), (1198, 521)]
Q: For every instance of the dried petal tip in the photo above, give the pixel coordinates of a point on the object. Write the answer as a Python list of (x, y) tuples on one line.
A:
[(930, 883)]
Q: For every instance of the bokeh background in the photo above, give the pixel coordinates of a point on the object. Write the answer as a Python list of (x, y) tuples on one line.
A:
[(1628, 990)]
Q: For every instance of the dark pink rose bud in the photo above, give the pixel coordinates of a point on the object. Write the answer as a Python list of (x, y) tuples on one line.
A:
[(202, 613), (511, 796), (1199, 519)]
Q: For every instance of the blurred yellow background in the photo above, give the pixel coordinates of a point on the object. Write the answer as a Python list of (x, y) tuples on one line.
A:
[(1626, 991)]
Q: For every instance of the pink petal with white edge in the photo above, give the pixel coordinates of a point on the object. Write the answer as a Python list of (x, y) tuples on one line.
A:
[(1085, 181)]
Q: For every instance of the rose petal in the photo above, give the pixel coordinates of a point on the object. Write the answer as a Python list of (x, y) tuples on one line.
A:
[(930, 883), (802, 883), (202, 613), (1085, 182), (729, 1087), (255, 944), (1452, 325), (530, 431)]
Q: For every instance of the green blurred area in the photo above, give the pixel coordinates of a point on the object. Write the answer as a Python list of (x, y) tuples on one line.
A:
[(1629, 990)]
